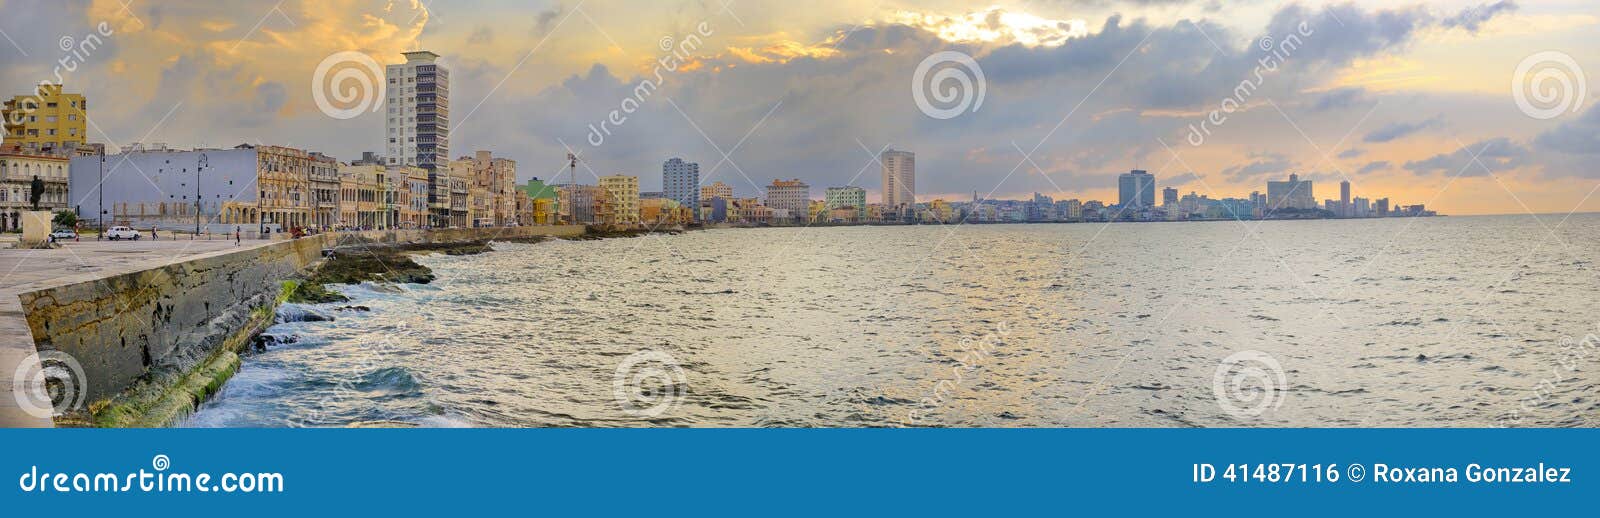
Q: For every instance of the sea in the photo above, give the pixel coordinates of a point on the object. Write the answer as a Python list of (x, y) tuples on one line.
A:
[(1474, 321)]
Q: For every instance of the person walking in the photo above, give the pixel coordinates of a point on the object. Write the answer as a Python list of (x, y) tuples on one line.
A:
[(236, 238)]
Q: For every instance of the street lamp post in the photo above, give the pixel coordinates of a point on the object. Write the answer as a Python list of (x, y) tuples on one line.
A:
[(204, 162), (100, 189)]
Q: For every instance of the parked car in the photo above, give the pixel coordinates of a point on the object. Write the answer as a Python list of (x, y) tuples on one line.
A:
[(63, 234), (116, 233)]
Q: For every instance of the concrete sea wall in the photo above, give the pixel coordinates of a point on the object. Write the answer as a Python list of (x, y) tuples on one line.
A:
[(154, 343)]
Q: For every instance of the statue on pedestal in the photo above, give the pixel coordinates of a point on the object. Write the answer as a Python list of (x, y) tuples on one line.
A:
[(36, 192)]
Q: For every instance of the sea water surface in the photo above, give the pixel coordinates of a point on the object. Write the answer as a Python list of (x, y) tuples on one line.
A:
[(1450, 322)]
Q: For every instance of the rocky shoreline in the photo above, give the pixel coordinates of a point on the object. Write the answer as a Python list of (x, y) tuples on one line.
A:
[(384, 263)]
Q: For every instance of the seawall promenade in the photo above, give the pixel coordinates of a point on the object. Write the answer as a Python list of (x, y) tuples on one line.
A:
[(157, 325)]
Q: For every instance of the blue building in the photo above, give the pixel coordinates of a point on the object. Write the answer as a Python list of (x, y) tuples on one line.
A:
[(680, 181)]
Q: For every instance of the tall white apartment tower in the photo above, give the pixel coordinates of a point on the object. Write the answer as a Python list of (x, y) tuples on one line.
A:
[(899, 178), (419, 121)]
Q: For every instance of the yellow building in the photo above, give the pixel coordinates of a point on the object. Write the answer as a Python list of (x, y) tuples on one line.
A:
[(359, 192), (621, 195), (662, 212), (544, 211), (941, 211), (284, 178), (50, 121)]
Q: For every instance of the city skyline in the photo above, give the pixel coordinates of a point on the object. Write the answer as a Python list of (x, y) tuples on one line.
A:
[(1320, 115)]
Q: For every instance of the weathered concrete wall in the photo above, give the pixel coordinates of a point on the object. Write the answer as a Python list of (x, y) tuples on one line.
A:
[(166, 321), (122, 326)]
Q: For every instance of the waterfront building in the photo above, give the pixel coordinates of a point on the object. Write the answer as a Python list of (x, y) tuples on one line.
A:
[(716, 190), (848, 198), (792, 197), (621, 200), (663, 212), (1383, 207), (750, 211), (899, 178), (18, 168), (51, 121), (360, 188), (1344, 199), (715, 209), (258, 187), (941, 211), (493, 180), (545, 199), (1361, 207), (680, 182), (576, 203), (418, 106), (1169, 196), (415, 211), (324, 185), (1136, 189), (1292, 194)]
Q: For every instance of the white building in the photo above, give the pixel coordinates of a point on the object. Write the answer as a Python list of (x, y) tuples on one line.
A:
[(791, 196), (419, 120), (899, 178), (1292, 194)]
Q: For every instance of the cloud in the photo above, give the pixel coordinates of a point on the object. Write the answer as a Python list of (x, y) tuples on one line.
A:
[(1372, 167), (481, 35), (1579, 137), (1398, 130), (1471, 18), (1499, 155), (1340, 98), (1351, 153), (1261, 165)]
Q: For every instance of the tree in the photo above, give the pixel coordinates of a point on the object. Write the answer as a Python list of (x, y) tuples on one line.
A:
[(66, 218)]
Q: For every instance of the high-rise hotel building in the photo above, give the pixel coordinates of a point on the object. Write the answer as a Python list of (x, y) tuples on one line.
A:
[(680, 181), (419, 122), (899, 178)]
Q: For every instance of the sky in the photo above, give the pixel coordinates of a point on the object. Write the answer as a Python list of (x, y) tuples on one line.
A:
[(1470, 107)]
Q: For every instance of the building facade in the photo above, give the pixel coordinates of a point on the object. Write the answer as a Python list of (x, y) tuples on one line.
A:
[(167, 188), (680, 182), (791, 196), (1291, 194), (18, 168), (1136, 188), (49, 122), (850, 199), (621, 200), (899, 178), (418, 105)]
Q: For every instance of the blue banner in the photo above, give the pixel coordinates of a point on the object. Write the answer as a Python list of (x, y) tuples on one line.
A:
[(824, 472)]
